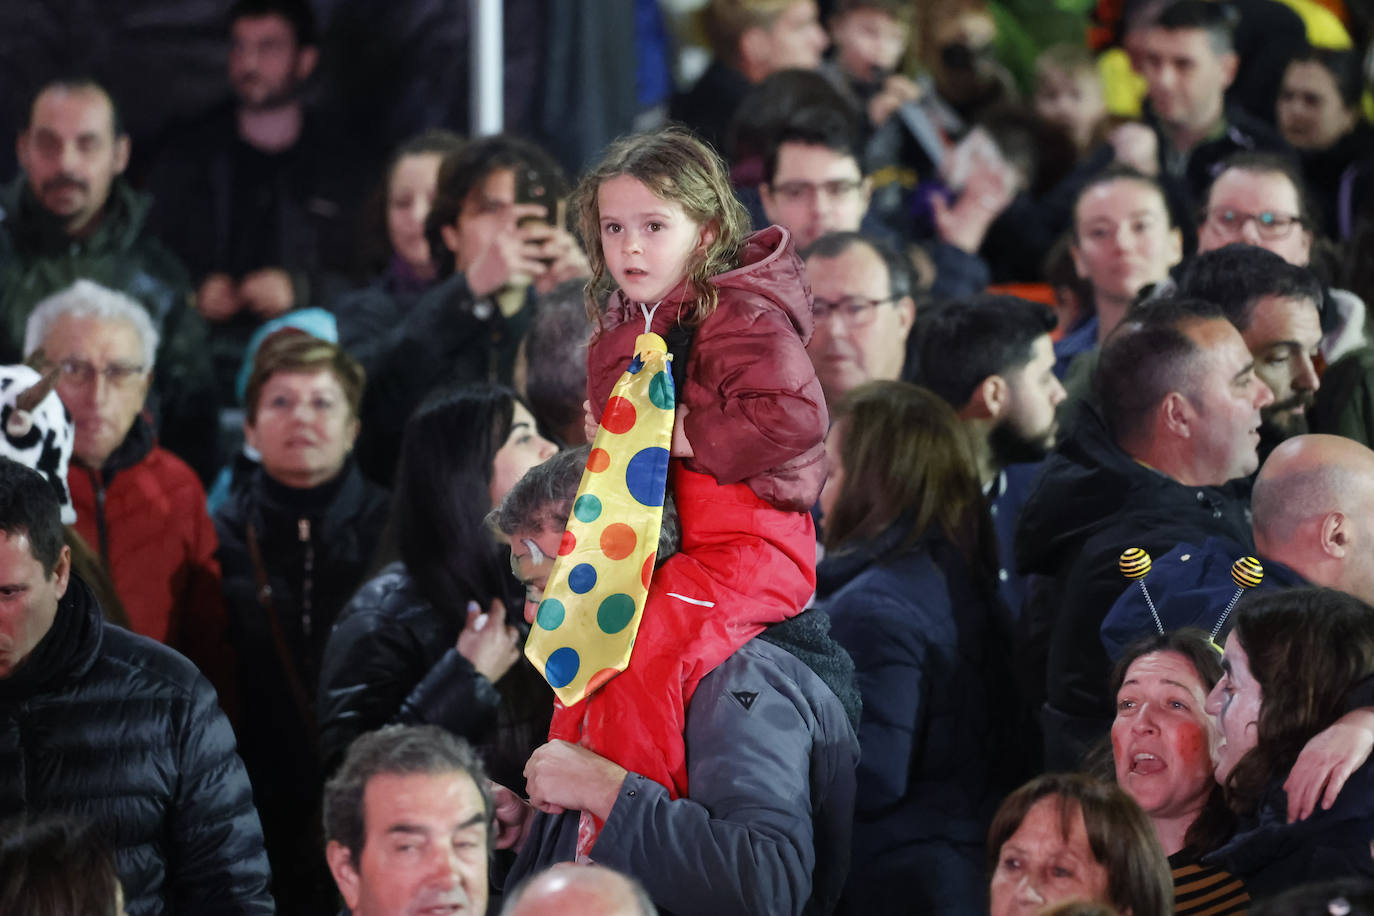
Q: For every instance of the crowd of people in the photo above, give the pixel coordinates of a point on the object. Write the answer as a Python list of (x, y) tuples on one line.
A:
[(925, 468)]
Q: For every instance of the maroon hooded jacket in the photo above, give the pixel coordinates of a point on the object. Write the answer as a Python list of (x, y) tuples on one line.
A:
[(756, 413)]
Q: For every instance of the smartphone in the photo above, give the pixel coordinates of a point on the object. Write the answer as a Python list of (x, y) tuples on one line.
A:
[(534, 187)]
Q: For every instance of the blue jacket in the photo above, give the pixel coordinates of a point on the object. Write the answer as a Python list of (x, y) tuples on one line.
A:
[(923, 638), (1272, 855), (1191, 586)]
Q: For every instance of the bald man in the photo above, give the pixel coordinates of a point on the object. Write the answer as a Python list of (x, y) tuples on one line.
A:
[(1313, 519), (579, 890)]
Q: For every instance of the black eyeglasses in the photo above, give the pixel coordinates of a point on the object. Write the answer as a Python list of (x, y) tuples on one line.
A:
[(116, 375), (854, 311), (1271, 226), (797, 191)]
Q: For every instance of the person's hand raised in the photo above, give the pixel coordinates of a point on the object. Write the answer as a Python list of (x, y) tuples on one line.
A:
[(511, 253), (487, 641)]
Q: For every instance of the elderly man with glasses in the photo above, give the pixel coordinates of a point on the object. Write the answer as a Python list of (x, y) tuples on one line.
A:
[(863, 310), (138, 505)]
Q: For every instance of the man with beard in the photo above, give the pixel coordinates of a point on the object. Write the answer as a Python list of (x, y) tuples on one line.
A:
[(257, 197), (992, 359), (1274, 305), (71, 215)]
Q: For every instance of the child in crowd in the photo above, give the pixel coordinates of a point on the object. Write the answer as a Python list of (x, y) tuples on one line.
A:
[(870, 39), (1068, 94), (665, 232)]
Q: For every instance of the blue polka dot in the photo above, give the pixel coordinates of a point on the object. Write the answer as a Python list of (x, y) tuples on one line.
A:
[(550, 615), (635, 365), (615, 613), (582, 579), (587, 508), (646, 475), (661, 391), (562, 667)]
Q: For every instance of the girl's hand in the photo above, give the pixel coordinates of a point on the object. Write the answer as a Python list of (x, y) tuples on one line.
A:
[(487, 641), (681, 448), (1327, 761), (589, 424)]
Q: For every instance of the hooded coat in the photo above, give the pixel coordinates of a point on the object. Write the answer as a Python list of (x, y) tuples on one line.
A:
[(756, 412)]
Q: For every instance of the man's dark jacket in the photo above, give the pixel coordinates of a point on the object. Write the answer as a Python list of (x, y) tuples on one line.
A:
[(1092, 502), (38, 258), (104, 724)]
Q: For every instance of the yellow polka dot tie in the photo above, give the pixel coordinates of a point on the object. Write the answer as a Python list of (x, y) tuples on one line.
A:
[(585, 627)]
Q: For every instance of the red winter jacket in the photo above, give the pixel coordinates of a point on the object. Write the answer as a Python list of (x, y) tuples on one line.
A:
[(145, 514), (756, 410)]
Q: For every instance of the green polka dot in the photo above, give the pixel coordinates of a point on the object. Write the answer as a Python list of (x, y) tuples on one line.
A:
[(661, 391), (550, 614), (615, 613), (587, 508)]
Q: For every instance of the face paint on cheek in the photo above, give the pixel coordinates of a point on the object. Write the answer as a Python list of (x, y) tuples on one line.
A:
[(1191, 746)]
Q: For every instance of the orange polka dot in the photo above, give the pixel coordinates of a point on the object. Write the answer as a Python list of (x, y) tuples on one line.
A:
[(567, 545), (619, 417), (598, 460), (647, 572), (600, 678), (618, 541)]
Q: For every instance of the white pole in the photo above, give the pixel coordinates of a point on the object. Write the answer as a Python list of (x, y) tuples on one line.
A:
[(487, 56)]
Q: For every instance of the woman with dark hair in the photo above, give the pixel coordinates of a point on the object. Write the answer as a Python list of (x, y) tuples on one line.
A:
[(430, 639), (1319, 114), (396, 256), (1161, 747), (57, 866), (1067, 836), (1295, 661), (910, 583)]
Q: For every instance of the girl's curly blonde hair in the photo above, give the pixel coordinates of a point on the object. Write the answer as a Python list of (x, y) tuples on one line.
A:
[(676, 166)]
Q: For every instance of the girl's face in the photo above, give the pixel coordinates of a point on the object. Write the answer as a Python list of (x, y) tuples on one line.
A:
[(1235, 702), (1072, 101), (1311, 113), (523, 449), (409, 195), (649, 243)]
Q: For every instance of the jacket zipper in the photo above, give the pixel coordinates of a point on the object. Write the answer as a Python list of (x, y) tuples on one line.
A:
[(307, 580), (102, 530)]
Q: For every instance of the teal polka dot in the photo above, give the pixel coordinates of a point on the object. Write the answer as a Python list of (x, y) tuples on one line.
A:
[(661, 391), (587, 508), (615, 613), (550, 615), (562, 667)]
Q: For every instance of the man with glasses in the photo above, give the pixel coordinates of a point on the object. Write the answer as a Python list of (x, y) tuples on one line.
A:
[(138, 505), (1259, 199), (861, 289)]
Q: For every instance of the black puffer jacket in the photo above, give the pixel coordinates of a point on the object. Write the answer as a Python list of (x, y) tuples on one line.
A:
[(392, 658), (319, 541), (105, 724), (1090, 503)]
